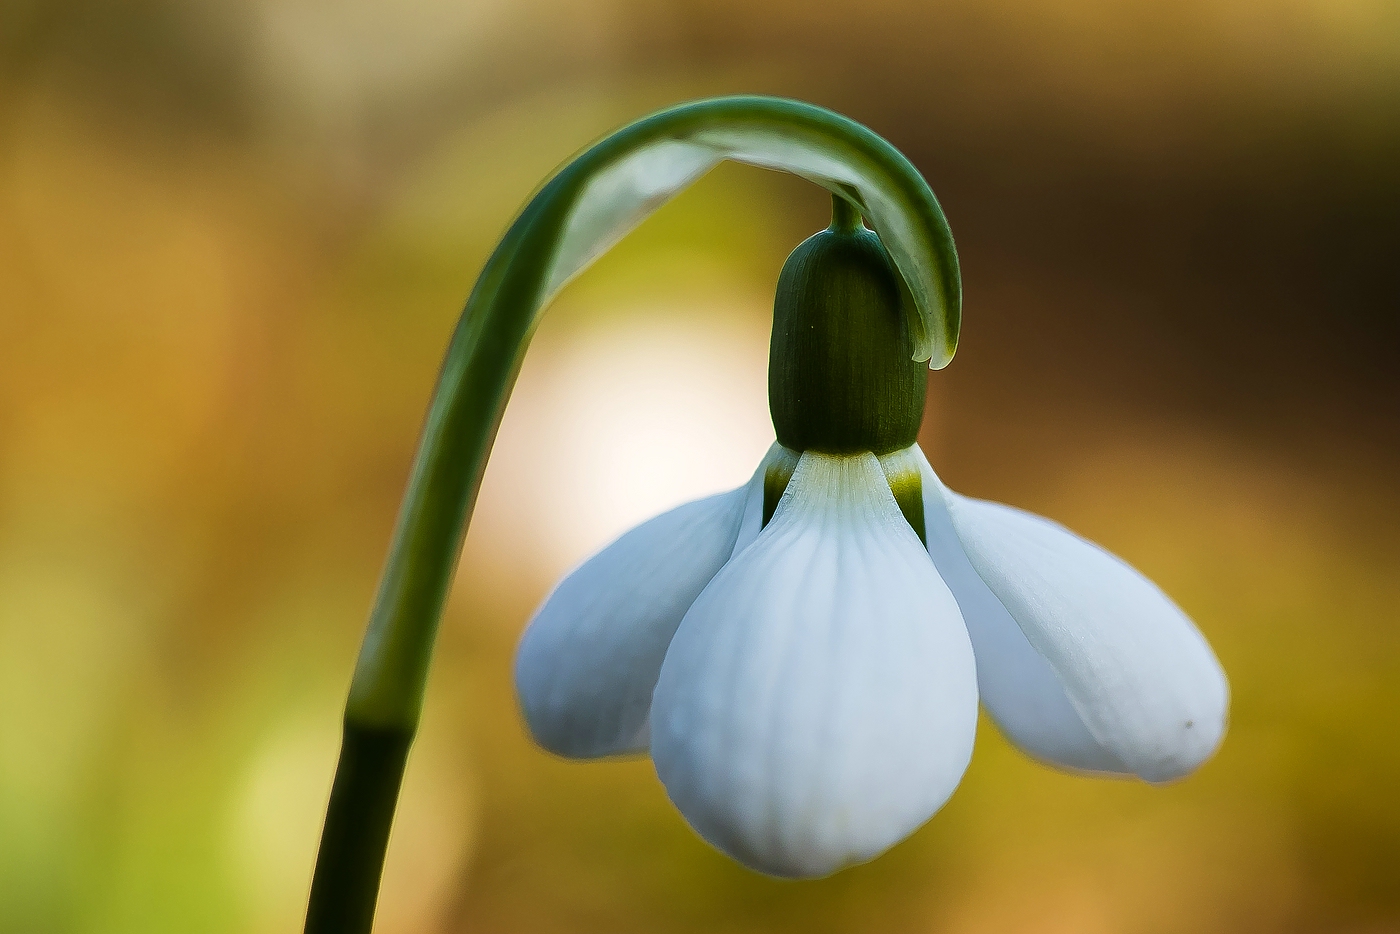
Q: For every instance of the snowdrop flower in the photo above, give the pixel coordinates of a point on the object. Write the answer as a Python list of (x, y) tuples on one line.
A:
[(803, 656)]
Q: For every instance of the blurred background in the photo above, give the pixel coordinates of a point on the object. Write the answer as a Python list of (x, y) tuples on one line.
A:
[(235, 235)]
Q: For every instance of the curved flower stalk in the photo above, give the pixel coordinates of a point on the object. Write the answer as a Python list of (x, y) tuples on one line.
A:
[(587, 206), (802, 657)]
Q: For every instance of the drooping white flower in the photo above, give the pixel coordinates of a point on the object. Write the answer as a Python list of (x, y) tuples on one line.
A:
[(803, 657), (803, 672)]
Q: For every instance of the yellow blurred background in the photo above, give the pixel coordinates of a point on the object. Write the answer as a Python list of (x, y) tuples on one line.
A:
[(235, 235)]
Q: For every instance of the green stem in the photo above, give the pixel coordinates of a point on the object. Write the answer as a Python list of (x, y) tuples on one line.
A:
[(367, 779), (577, 215), (845, 216)]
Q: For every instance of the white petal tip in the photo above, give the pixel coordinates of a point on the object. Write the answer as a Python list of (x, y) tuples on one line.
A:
[(1134, 668)]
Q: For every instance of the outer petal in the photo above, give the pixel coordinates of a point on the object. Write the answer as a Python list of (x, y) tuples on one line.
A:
[(1144, 682), (1017, 684), (819, 700), (588, 661)]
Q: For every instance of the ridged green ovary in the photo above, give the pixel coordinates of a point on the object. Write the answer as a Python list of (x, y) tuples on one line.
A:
[(576, 216), (841, 378)]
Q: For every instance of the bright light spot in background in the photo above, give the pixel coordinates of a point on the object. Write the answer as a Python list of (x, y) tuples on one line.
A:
[(615, 422), (276, 821)]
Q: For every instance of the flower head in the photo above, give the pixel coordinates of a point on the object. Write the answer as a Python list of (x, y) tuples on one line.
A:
[(803, 657)]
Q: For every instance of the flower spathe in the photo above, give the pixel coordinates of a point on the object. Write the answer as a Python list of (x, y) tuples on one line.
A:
[(808, 688)]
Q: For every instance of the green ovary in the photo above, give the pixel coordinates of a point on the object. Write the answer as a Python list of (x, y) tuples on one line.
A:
[(841, 373)]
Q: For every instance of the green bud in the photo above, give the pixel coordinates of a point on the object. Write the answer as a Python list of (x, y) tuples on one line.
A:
[(841, 373)]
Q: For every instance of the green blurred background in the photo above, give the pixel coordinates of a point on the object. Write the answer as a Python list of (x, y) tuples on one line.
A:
[(235, 234)]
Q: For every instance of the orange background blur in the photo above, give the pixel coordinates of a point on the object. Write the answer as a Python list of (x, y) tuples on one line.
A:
[(234, 237)]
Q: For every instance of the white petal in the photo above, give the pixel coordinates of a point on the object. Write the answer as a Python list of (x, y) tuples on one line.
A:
[(1018, 686), (819, 700), (1144, 682), (588, 661)]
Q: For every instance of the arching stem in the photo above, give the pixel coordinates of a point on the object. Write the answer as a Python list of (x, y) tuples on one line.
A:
[(585, 208)]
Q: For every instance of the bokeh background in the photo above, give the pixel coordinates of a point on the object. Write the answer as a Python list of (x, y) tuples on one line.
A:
[(235, 235)]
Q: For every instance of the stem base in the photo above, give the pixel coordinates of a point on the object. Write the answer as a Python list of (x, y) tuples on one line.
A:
[(351, 859)]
